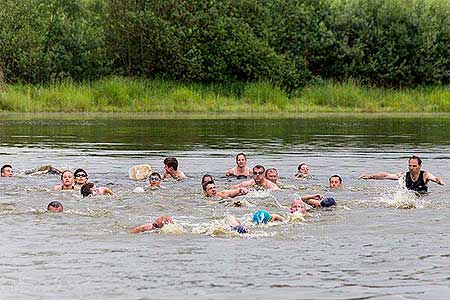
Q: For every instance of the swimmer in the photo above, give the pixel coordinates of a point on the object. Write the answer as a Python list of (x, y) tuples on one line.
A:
[(298, 205), (318, 200), (210, 190), (67, 182), (81, 178), (159, 223), (335, 181), (272, 175), (55, 206), (302, 171), (258, 180), (236, 225), (415, 179), (6, 171), (264, 217), (154, 180), (206, 178), (89, 189), (241, 170), (171, 169)]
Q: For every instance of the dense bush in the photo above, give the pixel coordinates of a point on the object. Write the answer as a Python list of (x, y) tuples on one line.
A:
[(286, 42)]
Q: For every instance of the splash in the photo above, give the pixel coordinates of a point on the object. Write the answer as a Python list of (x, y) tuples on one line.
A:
[(401, 197)]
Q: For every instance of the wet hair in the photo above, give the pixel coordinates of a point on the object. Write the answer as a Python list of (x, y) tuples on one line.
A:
[(79, 171), (86, 189), (300, 166), (416, 157), (259, 167), (241, 153), (55, 204), (270, 169), (205, 184), (337, 176), (207, 175), (155, 174), (4, 167), (171, 162), (65, 171)]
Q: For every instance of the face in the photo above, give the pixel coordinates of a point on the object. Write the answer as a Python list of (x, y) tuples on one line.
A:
[(55, 209), (154, 180), (161, 221), (241, 161), (304, 169), (258, 174), (7, 172), (272, 176), (67, 179), (211, 190), (413, 166), (168, 169), (334, 182), (207, 178), (298, 205), (81, 178)]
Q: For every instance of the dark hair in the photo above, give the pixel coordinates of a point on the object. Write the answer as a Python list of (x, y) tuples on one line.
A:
[(416, 157), (207, 175), (55, 204), (4, 167), (171, 162), (205, 184), (337, 176), (65, 171), (270, 169), (155, 174), (79, 171), (241, 153), (300, 165), (86, 189), (259, 167)]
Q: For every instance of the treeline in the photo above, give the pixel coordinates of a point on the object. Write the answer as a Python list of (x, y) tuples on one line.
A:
[(388, 43)]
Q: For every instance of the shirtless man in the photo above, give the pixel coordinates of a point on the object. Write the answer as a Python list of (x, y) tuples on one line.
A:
[(159, 223), (335, 181), (241, 170), (302, 171), (272, 175), (6, 171), (67, 182), (317, 200), (90, 189), (210, 190), (171, 169), (258, 180), (415, 179)]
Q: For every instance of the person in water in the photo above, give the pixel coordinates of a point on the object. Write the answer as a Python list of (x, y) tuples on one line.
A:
[(81, 178), (154, 180), (272, 175), (6, 171), (415, 179), (210, 190), (157, 224), (171, 169), (67, 180), (318, 200), (258, 180), (302, 171), (335, 181), (55, 206), (207, 178), (89, 189), (263, 217), (241, 170)]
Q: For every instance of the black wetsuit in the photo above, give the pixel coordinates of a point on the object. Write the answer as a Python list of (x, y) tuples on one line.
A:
[(419, 185)]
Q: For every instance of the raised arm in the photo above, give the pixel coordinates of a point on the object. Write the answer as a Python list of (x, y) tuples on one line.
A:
[(430, 177), (313, 200), (381, 176), (233, 193)]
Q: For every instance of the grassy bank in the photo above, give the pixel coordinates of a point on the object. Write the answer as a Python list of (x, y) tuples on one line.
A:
[(136, 95)]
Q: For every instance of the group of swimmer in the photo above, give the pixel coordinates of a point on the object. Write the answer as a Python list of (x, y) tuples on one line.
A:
[(258, 177)]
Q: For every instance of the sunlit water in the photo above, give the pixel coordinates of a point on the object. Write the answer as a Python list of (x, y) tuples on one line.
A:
[(380, 242)]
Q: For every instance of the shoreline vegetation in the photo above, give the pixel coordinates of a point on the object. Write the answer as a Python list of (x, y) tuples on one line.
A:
[(131, 95)]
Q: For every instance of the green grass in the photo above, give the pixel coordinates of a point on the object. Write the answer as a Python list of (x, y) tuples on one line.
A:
[(118, 94)]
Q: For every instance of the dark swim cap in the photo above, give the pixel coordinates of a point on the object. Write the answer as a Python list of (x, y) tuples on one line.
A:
[(240, 229), (327, 202)]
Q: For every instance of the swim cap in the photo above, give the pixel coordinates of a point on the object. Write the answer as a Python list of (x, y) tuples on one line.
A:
[(327, 202), (240, 229), (261, 216)]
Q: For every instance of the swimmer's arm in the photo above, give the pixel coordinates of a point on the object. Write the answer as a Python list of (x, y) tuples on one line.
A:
[(243, 184), (230, 172), (234, 193), (182, 176), (142, 228), (107, 191), (313, 202), (275, 187), (277, 218), (430, 177), (57, 188), (381, 176)]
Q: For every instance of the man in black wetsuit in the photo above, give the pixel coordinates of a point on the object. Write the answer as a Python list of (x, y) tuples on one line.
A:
[(415, 179)]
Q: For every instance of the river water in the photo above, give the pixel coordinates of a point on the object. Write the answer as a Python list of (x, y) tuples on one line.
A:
[(378, 243)]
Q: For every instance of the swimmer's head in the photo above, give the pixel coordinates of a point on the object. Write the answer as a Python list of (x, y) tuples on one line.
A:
[(161, 221), (67, 178), (298, 205), (261, 217), (210, 189), (207, 178), (303, 168), (6, 171), (258, 173), (170, 163), (81, 176), (240, 229), (335, 181), (414, 164), (327, 202), (55, 206), (241, 160), (272, 175), (87, 189), (154, 179)]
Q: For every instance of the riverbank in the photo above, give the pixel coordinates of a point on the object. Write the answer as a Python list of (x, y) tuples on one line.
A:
[(162, 96)]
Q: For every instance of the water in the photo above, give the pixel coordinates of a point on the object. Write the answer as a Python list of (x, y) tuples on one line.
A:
[(378, 243)]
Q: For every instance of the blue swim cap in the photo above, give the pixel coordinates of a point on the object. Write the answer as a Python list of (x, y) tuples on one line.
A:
[(240, 229), (261, 216), (327, 202)]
